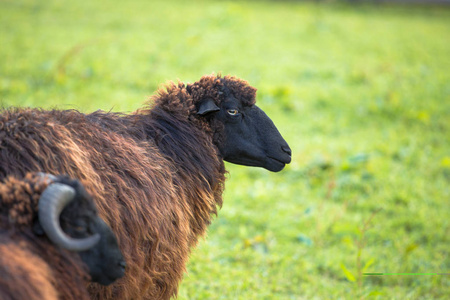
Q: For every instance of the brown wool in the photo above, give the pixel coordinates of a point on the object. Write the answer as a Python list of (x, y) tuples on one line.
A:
[(158, 191)]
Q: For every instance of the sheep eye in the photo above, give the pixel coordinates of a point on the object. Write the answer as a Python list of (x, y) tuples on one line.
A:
[(80, 225), (80, 228), (232, 112)]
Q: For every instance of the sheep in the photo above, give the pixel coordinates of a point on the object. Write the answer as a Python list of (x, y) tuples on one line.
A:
[(37, 258), (157, 174)]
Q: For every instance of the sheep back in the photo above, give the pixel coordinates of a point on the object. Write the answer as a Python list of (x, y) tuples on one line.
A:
[(156, 198)]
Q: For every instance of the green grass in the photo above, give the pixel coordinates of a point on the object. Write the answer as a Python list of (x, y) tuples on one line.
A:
[(361, 93)]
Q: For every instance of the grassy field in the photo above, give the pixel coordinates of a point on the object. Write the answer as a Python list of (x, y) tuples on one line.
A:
[(361, 93)]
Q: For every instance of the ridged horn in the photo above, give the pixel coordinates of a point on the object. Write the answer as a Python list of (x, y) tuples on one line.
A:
[(52, 202)]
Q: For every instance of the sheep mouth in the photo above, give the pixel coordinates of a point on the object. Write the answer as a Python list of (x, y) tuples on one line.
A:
[(108, 279), (276, 164), (273, 164), (286, 159)]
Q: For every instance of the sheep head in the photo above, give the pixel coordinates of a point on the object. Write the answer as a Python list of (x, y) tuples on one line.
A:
[(68, 216), (242, 132), (225, 107)]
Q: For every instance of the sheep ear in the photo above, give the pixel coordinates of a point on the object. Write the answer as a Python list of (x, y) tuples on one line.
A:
[(207, 106)]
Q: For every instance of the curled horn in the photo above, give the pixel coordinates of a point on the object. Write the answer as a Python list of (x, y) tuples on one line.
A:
[(53, 200)]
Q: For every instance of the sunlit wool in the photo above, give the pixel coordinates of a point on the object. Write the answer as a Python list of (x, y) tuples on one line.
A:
[(156, 174)]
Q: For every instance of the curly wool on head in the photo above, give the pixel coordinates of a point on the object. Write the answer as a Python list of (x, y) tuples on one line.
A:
[(19, 200), (183, 98), (213, 87)]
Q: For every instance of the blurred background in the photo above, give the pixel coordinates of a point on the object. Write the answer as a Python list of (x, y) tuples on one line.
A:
[(359, 89)]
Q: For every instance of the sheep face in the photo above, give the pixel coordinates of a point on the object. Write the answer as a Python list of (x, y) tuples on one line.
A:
[(252, 139), (246, 135), (104, 260), (79, 221)]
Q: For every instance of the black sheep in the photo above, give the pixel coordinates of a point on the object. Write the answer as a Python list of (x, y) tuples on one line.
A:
[(157, 175)]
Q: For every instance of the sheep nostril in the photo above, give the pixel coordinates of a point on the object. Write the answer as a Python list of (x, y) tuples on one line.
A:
[(287, 150), (123, 264)]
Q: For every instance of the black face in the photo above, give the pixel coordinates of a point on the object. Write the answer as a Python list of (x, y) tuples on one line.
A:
[(80, 220), (105, 261), (250, 138)]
